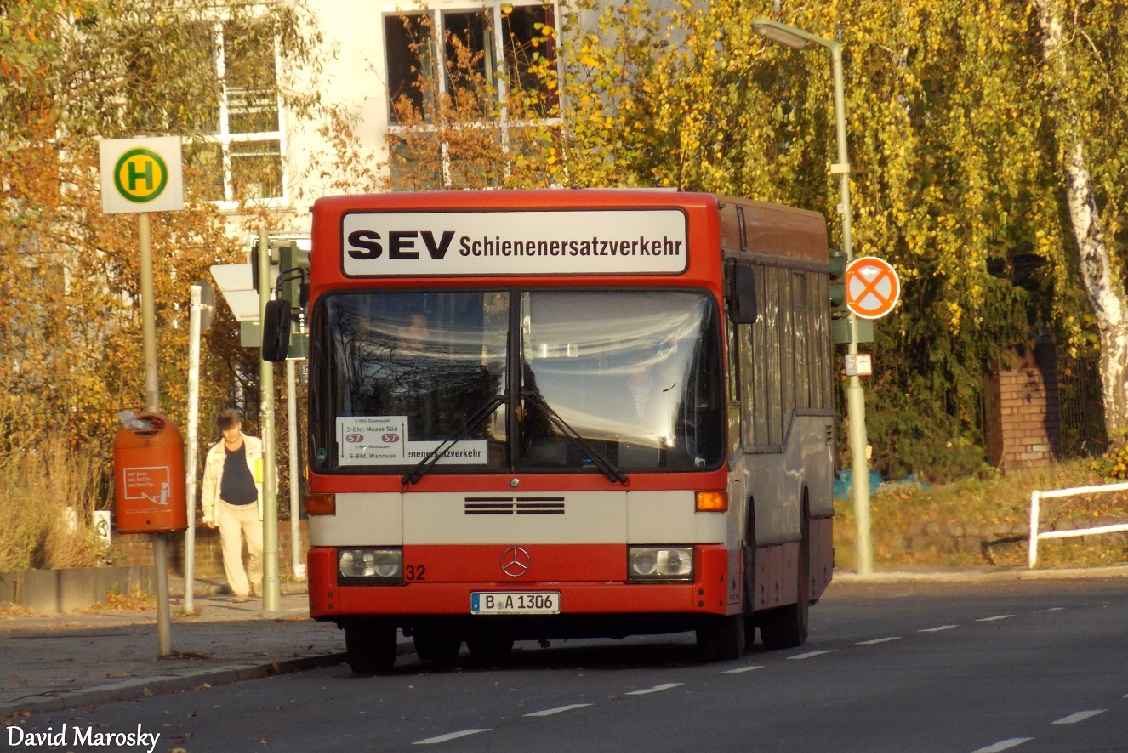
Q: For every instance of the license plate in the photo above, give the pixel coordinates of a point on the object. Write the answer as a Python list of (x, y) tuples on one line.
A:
[(515, 602)]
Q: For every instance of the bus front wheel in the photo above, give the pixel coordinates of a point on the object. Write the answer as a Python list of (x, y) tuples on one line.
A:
[(370, 646), (721, 638)]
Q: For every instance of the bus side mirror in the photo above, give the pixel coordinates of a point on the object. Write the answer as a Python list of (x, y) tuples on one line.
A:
[(276, 330), (742, 295)]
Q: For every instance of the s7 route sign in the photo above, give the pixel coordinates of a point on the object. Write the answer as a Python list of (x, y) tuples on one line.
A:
[(872, 287)]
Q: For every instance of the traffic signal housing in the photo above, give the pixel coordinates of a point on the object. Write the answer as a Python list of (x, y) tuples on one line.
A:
[(838, 262), (293, 288), (839, 311), (284, 334)]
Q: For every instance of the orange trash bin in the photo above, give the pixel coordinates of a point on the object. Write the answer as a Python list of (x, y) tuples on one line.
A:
[(149, 476)]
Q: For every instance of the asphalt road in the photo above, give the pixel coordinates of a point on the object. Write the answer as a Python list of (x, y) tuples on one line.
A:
[(982, 667)]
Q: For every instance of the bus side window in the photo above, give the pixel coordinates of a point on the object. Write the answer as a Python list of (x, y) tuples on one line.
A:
[(733, 387)]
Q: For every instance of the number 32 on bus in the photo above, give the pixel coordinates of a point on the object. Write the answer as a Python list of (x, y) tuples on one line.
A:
[(543, 414)]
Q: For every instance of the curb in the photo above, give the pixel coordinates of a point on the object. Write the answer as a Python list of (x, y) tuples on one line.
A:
[(139, 687), (965, 575)]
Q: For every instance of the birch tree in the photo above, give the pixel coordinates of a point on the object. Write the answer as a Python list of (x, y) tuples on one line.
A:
[(1102, 278)]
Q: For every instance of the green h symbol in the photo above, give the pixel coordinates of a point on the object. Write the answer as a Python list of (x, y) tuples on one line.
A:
[(133, 174), (140, 183)]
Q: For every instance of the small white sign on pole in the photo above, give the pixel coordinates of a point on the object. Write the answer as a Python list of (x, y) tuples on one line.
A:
[(859, 365), (141, 175)]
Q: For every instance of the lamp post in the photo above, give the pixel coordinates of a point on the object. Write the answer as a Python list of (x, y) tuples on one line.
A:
[(796, 38)]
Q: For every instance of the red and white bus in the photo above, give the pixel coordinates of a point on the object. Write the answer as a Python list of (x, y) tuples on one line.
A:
[(546, 414)]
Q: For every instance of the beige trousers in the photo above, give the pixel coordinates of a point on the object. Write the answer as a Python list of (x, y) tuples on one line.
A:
[(234, 522)]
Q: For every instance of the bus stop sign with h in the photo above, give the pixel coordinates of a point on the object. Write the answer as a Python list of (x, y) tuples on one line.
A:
[(139, 176)]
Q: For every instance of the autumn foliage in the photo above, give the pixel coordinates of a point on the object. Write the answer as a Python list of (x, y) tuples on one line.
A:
[(70, 331)]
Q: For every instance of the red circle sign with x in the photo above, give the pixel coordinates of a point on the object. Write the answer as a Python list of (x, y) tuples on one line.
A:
[(872, 287)]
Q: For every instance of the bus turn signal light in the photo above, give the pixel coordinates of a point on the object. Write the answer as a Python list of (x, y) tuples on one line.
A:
[(712, 501), (321, 504)]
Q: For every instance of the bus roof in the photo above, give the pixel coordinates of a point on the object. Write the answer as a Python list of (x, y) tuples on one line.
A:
[(761, 228)]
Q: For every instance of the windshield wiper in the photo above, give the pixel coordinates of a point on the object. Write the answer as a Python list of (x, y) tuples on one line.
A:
[(424, 466), (610, 470)]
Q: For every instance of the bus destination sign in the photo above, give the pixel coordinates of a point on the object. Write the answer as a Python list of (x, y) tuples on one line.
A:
[(528, 242)]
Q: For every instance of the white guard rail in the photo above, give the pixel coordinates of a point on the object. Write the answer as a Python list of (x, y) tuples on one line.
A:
[(1035, 511)]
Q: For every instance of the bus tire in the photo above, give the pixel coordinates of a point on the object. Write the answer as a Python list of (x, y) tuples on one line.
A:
[(434, 643), (721, 638), (370, 646), (490, 648), (786, 627)]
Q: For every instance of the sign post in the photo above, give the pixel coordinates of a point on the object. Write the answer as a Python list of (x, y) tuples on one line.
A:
[(271, 585), (202, 298), (139, 176)]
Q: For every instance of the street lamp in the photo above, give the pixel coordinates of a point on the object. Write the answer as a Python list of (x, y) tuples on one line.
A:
[(795, 38)]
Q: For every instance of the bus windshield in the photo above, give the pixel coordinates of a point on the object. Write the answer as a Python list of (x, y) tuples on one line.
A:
[(517, 381)]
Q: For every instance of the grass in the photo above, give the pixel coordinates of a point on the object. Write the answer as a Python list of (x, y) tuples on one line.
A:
[(47, 499), (985, 521)]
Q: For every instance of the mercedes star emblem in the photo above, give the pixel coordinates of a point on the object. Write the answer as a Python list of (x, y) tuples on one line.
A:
[(515, 562)]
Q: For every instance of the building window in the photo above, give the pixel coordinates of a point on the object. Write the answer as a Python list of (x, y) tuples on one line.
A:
[(243, 160), (464, 85)]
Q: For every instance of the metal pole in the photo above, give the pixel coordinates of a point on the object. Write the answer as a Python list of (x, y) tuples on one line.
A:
[(297, 566), (148, 314), (855, 397), (190, 459), (153, 404), (272, 587)]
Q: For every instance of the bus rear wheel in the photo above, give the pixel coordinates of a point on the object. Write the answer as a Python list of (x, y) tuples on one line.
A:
[(786, 627), (370, 646), (721, 638)]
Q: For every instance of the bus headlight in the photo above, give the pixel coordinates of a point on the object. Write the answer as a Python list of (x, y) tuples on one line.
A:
[(657, 563), (370, 564)]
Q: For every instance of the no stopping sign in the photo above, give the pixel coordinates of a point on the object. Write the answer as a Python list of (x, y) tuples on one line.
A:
[(872, 287)]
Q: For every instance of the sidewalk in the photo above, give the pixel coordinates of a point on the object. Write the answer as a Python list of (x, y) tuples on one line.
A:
[(66, 661)]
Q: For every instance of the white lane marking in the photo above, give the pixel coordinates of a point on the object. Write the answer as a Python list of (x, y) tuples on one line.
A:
[(1054, 609), (1004, 745), (810, 654), (875, 641), (739, 670), (449, 736), (996, 618), (655, 689), (559, 709), (938, 629), (1080, 716)]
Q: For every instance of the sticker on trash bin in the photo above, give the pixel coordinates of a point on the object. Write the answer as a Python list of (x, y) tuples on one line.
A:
[(151, 484)]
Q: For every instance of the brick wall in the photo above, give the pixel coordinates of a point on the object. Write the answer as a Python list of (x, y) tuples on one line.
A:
[(1024, 410), (137, 549)]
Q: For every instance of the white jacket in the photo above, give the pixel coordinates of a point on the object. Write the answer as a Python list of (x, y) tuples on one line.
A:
[(213, 472)]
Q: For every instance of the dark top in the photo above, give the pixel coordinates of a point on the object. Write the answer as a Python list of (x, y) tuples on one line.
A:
[(237, 485)]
